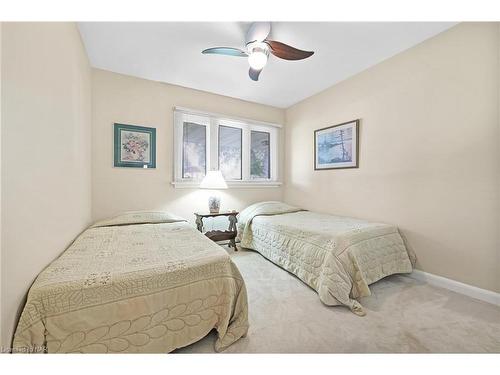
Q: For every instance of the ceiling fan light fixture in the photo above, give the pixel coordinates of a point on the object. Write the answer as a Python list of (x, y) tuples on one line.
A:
[(258, 53), (257, 59)]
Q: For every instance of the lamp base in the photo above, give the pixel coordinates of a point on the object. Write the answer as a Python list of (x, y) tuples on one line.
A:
[(214, 204)]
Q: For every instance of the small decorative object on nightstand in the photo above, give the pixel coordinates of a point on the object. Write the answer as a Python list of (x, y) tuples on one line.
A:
[(213, 181), (220, 235)]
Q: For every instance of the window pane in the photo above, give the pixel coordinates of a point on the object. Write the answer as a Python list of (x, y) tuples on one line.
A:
[(194, 151), (230, 152), (260, 155)]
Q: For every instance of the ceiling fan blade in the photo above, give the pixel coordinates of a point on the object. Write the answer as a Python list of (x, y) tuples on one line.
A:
[(254, 74), (228, 51), (284, 51), (258, 31)]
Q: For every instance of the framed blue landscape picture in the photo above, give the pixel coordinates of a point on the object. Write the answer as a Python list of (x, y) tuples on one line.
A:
[(134, 146), (336, 147)]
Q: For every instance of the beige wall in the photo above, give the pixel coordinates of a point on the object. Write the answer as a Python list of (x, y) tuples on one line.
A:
[(429, 155), (128, 100), (45, 153), (1, 341)]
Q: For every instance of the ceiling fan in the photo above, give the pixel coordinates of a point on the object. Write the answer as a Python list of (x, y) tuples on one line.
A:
[(258, 48)]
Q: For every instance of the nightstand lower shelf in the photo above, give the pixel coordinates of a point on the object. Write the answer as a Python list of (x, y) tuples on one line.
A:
[(223, 235)]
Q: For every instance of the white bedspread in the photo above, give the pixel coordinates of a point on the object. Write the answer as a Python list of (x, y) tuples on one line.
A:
[(138, 283), (336, 256)]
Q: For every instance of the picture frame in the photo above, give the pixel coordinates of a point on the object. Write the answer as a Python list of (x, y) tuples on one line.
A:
[(134, 146), (337, 146)]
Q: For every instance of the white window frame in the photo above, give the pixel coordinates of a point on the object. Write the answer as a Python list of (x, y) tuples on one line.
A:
[(212, 122)]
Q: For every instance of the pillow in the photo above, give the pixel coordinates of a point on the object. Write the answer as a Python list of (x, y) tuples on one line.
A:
[(138, 217)]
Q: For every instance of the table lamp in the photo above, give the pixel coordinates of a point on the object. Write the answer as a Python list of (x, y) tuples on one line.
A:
[(213, 180)]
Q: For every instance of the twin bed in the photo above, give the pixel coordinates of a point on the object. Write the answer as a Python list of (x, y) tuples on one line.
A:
[(149, 282), (336, 256), (138, 283)]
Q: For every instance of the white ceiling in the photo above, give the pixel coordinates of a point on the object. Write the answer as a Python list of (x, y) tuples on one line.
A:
[(171, 52)]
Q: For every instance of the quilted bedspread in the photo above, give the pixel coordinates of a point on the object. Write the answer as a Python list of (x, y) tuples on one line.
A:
[(141, 282), (336, 256)]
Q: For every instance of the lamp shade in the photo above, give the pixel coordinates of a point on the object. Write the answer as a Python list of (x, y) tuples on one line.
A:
[(213, 180)]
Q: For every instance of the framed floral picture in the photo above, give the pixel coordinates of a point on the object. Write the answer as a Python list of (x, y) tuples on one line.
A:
[(336, 147), (134, 146)]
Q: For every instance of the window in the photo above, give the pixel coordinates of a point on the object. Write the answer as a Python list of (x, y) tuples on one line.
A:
[(230, 148), (194, 150), (260, 155), (246, 152)]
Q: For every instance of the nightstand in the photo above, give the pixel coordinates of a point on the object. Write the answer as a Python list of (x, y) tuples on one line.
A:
[(220, 235)]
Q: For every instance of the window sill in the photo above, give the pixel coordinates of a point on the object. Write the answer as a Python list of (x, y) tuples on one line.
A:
[(230, 184)]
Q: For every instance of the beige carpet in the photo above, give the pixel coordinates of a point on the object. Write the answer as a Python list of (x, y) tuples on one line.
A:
[(403, 315)]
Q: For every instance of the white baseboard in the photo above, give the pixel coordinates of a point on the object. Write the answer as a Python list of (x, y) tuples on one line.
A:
[(458, 287)]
